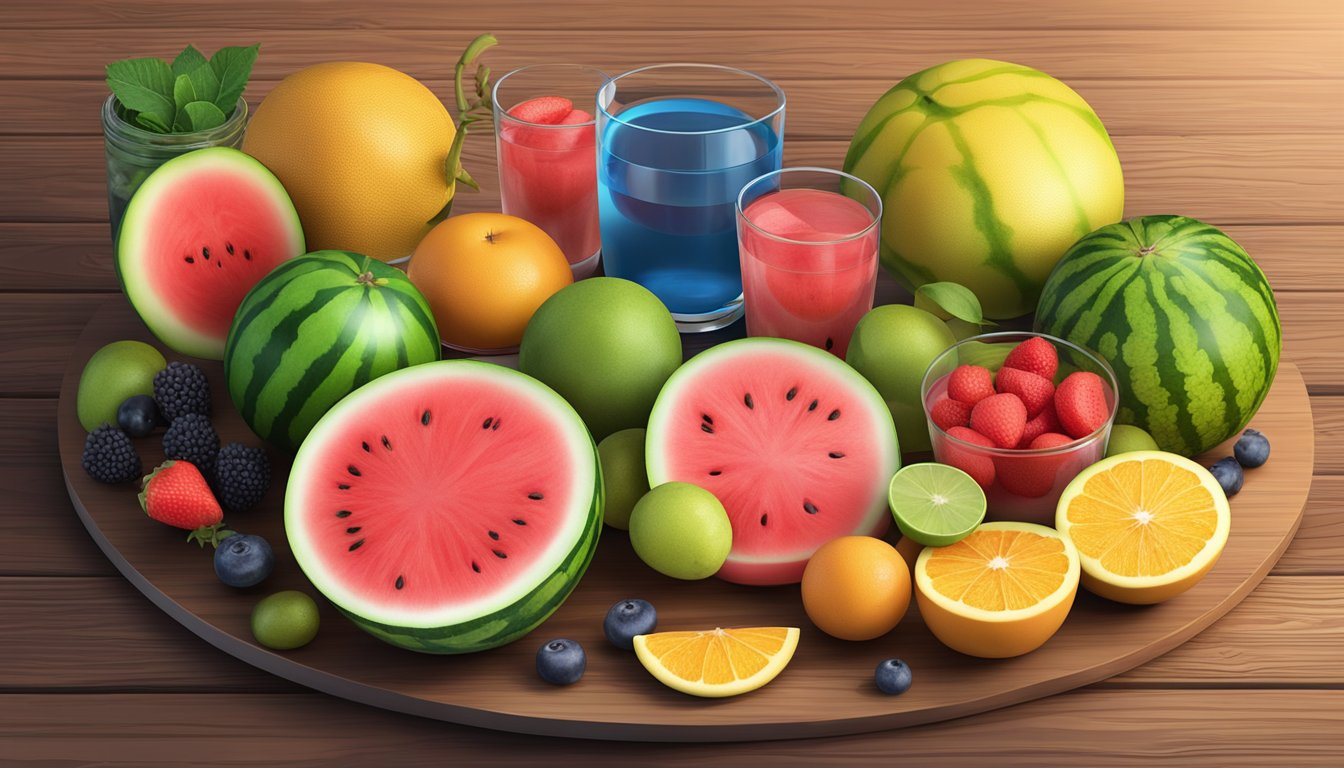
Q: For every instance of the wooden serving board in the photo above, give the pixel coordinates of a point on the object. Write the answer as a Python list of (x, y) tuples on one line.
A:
[(826, 690)]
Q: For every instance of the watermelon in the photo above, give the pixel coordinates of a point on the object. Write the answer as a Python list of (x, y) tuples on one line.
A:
[(446, 508), (201, 230), (796, 444), (1183, 315), (313, 331), (988, 172)]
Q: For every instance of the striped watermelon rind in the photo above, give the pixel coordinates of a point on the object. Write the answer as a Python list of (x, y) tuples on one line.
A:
[(988, 171), (315, 329), (1184, 316)]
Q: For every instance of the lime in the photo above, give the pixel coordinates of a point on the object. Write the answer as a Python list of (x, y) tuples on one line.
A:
[(1126, 438), (934, 504), (285, 620), (892, 346), (681, 530), (115, 372), (623, 475)]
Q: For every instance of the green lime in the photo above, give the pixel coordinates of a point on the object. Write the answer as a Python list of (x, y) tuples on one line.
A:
[(892, 346), (624, 478), (935, 504), (1126, 438), (285, 620), (681, 530), (115, 372)]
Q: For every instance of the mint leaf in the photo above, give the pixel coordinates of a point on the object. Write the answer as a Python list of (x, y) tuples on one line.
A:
[(198, 116), (206, 83), (183, 92), (232, 66), (151, 122), (955, 299), (144, 86), (188, 60)]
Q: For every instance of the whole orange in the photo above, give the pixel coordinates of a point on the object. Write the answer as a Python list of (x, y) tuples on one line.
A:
[(856, 588), (361, 149), (484, 275)]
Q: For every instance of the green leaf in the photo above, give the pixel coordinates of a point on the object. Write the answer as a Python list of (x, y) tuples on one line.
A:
[(199, 116), (183, 92), (232, 66), (955, 299), (144, 86), (187, 60), (205, 81), (151, 122)]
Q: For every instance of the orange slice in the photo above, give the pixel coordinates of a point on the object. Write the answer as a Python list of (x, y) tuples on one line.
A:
[(1147, 524), (717, 662), (1002, 591)]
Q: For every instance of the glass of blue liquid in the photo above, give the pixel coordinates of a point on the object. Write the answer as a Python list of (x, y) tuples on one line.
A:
[(676, 144)]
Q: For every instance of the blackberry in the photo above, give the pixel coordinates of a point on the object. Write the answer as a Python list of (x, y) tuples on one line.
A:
[(180, 389), (191, 438), (109, 456), (242, 476)]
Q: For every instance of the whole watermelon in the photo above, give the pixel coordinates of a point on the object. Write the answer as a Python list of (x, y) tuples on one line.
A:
[(315, 329), (988, 172), (1184, 316)]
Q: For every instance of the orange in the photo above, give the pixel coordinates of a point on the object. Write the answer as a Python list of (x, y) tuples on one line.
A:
[(1002, 591), (717, 662), (1147, 524), (856, 588), (361, 149), (484, 275), (909, 549)]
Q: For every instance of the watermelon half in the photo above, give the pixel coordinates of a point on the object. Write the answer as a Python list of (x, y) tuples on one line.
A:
[(796, 444), (448, 507), (203, 229)]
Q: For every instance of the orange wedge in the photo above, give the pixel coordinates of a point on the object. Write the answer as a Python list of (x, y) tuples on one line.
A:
[(1002, 591), (717, 662), (1147, 524)]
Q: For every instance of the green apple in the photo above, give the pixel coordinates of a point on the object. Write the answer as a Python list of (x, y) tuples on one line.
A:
[(1126, 438), (115, 372), (892, 346), (624, 478), (681, 530)]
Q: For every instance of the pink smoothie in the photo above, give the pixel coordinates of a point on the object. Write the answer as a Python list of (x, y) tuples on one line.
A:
[(806, 276)]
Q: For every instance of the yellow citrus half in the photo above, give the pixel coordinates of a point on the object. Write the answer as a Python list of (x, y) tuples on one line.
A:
[(1001, 591), (717, 662), (1147, 524)]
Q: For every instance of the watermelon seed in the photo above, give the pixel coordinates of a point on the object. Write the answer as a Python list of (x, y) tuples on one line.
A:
[(356, 545), (519, 521), (247, 255), (401, 582), (387, 443), (707, 428), (487, 423), (500, 555), (495, 428), (809, 507), (424, 418), (365, 446), (342, 487), (188, 259), (764, 517), (829, 343), (812, 406), (352, 530), (535, 496), (834, 415), (343, 513), (219, 264), (206, 253), (707, 419), (792, 393), (494, 535), (836, 455), (475, 567), (229, 247), (715, 472), (747, 400), (352, 469)]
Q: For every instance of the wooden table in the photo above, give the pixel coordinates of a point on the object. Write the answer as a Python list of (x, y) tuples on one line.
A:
[(1230, 111)]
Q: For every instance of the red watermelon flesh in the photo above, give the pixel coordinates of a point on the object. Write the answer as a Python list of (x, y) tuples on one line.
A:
[(795, 443)]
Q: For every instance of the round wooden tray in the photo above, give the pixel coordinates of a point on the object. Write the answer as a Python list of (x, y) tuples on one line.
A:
[(826, 690)]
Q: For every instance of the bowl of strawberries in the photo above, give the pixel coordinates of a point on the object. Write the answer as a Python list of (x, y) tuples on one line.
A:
[(1022, 414)]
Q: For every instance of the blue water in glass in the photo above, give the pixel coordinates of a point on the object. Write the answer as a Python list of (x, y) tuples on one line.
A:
[(667, 200)]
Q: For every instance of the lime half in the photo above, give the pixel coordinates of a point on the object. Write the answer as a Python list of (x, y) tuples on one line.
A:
[(935, 504)]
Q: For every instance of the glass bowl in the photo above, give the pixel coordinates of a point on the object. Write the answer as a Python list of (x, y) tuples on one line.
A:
[(1025, 484)]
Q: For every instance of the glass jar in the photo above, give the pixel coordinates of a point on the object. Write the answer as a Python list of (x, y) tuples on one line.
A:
[(133, 153)]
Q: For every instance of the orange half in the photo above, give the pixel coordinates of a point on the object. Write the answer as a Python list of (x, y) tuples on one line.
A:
[(717, 662)]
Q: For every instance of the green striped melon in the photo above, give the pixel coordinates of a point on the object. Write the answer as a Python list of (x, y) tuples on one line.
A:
[(1185, 317), (446, 508), (315, 329), (988, 172)]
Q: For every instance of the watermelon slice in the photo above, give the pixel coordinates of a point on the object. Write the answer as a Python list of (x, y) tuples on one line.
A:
[(796, 444), (198, 234), (447, 507)]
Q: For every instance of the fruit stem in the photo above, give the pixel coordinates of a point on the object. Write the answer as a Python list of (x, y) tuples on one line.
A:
[(469, 111), (210, 534)]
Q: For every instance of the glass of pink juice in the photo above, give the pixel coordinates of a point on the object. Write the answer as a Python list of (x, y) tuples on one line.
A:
[(809, 254), (546, 140)]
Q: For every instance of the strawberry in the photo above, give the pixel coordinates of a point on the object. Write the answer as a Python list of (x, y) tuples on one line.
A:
[(1080, 402), (1035, 355), (1050, 440), (1033, 476), (1045, 421), (969, 460), (970, 384), (1001, 418), (948, 413), (176, 494), (1034, 391)]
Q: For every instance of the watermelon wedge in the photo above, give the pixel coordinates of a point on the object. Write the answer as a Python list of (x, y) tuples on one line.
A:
[(796, 444), (448, 507), (198, 234)]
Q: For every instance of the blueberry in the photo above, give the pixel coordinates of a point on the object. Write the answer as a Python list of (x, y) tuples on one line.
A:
[(138, 415), (1228, 474), (1252, 450), (893, 677), (243, 561), (627, 619), (561, 662)]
